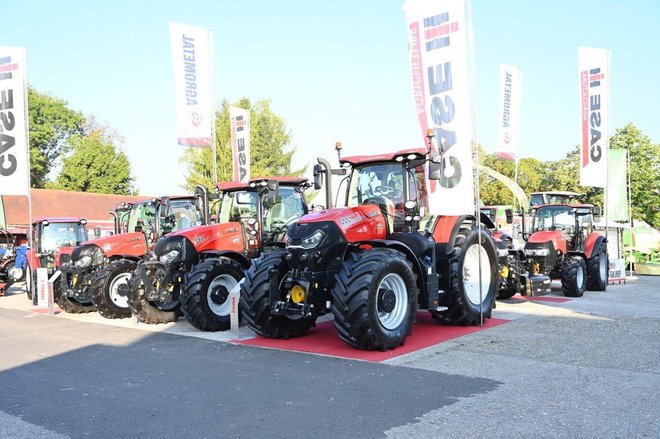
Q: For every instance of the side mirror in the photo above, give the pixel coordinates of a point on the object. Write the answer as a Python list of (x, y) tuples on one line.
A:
[(202, 202), (273, 189), (318, 177), (597, 211), (435, 168), (509, 216), (525, 236), (166, 207), (97, 231)]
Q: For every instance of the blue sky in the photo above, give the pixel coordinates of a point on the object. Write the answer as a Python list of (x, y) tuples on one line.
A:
[(334, 70)]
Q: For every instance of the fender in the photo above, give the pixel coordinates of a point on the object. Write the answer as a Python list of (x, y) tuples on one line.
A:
[(446, 228), (593, 244), (399, 246), (238, 257)]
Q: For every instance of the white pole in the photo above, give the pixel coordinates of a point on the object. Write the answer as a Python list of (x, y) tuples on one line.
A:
[(214, 148), (630, 220), (476, 149)]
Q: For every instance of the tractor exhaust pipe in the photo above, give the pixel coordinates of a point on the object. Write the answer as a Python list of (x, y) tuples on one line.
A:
[(328, 182)]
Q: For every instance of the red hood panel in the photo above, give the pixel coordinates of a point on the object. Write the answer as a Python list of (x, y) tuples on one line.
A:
[(226, 236), (133, 244), (555, 236), (359, 223)]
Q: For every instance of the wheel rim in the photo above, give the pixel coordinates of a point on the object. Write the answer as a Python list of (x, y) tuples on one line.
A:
[(217, 295), (579, 277), (471, 274), (118, 290), (602, 267), (392, 301)]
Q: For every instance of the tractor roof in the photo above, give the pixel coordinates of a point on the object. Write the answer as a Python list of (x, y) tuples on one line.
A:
[(565, 193), (61, 219), (387, 157), (228, 186), (540, 206)]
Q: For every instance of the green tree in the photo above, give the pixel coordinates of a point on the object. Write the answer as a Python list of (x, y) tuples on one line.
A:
[(51, 125), (269, 139), (644, 172), (96, 164)]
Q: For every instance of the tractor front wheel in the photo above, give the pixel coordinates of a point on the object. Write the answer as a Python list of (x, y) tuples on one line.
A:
[(597, 270), (255, 295), (110, 289), (206, 300), (374, 300), (72, 306), (573, 278), (146, 311)]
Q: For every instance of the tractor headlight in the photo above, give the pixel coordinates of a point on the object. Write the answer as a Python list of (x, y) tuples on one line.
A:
[(537, 252), (169, 257), (84, 261), (312, 241)]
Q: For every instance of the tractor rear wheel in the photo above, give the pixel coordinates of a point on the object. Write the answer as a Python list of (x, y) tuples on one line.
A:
[(146, 311), (573, 279), (469, 297), (206, 300), (597, 270), (255, 300), (374, 300), (110, 287)]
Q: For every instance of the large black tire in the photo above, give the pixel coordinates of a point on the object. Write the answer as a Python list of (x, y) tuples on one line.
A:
[(572, 273), (506, 293), (69, 305), (598, 270), (255, 300), (144, 310), (107, 285), (205, 302), (464, 297), (374, 300)]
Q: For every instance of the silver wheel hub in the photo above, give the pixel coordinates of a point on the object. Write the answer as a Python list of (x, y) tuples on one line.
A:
[(217, 295), (579, 277), (118, 290), (392, 301), (602, 267), (471, 283)]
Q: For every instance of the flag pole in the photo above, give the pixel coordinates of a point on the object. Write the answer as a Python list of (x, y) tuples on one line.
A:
[(630, 220), (475, 145), (214, 147)]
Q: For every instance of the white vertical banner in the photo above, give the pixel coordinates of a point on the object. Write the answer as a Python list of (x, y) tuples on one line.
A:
[(437, 40), (192, 59), (14, 151), (509, 120), (594, 71), (240, 143)]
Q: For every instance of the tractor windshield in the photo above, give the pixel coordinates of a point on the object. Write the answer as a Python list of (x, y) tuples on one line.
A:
[(56, 235), (555, 218), (142, 217), (288, 207), (182, 215), (375, 182), (238, 206)]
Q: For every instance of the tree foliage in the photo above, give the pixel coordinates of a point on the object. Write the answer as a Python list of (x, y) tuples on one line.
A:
[(96, 164), (564, 175), (51, 125), (269, 139)]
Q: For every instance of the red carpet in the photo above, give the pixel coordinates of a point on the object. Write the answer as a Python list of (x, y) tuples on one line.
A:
[(323, 339)]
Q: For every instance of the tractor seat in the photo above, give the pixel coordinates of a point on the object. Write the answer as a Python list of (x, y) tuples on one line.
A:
[(420, 243)]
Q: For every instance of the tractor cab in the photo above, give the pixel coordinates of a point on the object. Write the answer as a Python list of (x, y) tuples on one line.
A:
[(552, 197), (49, 235), (571, 223)]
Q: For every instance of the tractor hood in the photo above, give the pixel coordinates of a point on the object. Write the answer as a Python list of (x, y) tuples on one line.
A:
[(125, 244), (554, 236), (357, 223), (225, 236)]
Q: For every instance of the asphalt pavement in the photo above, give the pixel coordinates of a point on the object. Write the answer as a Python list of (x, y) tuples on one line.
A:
[(589, 367)]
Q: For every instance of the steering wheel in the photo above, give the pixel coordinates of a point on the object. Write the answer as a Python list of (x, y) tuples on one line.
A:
[(387, 191), (558, 227)]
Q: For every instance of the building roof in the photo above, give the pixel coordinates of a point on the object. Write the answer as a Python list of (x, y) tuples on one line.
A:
[(49, 203)]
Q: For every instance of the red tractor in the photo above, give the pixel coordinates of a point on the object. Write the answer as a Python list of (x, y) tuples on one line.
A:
[(374, 262), (53, 242), (192, 271), (564, 245), (97, 277)]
